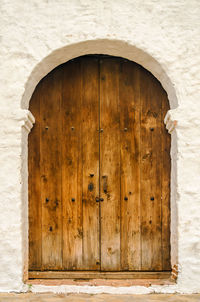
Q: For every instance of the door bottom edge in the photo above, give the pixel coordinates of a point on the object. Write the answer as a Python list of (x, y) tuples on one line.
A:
[(100, 278)]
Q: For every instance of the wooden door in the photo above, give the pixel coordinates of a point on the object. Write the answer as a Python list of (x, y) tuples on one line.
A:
[(99, 169)]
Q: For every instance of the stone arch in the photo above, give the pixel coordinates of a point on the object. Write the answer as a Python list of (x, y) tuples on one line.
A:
[(101, 46), (113, 48)]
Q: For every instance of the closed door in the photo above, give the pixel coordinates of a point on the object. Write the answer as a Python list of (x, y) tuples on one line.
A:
[(99, 169)]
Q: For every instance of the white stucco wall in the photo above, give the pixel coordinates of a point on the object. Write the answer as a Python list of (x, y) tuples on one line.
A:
[(161, 35)]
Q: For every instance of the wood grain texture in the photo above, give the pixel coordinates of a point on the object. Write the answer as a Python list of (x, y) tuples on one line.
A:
[(110, 164), (50, 168), (35, 209), (72, 167), (151, 171), (98, 275), (90, 157), (129, 95)]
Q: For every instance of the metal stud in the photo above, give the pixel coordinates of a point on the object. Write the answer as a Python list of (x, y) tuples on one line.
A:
[(97, 199), (91, 174), (125, 129), (90, 187), (72, 128), (46, 127), (50, 229), (101, 130), (101, 199), (152, 198), (152, 129), (47, 199), (73, 199), (125, 198)]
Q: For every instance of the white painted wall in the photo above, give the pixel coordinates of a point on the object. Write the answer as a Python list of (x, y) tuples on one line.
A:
[(161, 35)]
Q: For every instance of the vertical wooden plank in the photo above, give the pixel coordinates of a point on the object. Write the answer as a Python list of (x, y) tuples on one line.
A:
[(72, 167), (90, 157), (129, 95), (50, 152), (110, 164), (35, 239), (166, 171), (151, 169)]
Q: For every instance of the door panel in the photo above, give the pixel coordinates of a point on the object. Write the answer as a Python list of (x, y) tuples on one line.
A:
[(110, 165), (129, 95), (35, 208), (151, 171), (72, 167), (81, 169), (99, 169), (90, 156), (50, 169)]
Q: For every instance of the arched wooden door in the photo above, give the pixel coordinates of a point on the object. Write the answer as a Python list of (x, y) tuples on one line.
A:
[(99, 170)]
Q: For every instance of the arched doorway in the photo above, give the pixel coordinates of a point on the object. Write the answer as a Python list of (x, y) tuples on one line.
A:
[(99, 171)]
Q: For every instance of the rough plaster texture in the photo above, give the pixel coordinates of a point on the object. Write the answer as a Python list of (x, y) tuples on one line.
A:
[(162, 36)]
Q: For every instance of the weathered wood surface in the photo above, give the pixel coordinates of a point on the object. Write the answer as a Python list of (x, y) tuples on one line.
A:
[(35, 207), (90, 156), (99, 169), (72, 167), (98, 275), (50, 171), (129, 95), (110, 164)]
